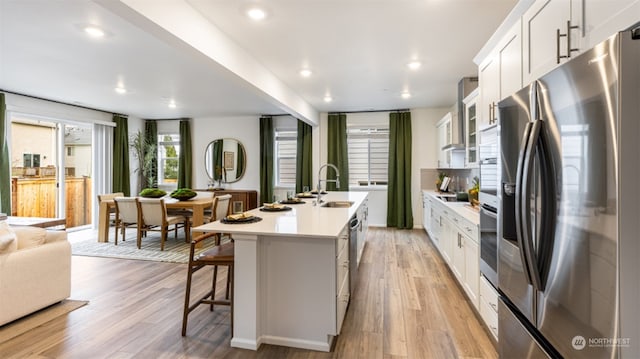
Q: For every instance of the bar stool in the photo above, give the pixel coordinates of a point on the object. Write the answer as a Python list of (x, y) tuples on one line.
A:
[(219, 255)]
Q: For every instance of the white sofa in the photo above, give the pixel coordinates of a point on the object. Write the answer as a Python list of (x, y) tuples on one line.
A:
[(35, 270)]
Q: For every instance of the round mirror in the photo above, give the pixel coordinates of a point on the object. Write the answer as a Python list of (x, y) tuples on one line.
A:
[(225, 160)]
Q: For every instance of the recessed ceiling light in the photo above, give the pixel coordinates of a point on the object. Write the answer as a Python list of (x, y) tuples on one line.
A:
[(328, 98), (414, 65), (256, 13), (406, 94), (305, 72), (94, 31), (121, 90), (172, 104)]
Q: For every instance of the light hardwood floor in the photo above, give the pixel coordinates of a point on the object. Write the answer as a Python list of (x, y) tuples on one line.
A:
[(407, 305)]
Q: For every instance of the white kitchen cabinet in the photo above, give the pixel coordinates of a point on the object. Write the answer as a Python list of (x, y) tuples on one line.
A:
[(549, 35), (599, 19), (500, 75), (342, 277), (447, 129), (465, 258), (489, 306), (558, 30), (363, 228), (447, 234), (426, 214), (471, 132)]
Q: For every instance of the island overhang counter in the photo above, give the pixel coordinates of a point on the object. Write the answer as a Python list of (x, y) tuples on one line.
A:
[(291, 285)]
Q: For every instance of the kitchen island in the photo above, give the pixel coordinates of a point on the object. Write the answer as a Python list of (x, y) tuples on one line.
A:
[(292, 273)]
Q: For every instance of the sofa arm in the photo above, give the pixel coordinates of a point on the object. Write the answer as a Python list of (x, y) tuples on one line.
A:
[(33, 278)]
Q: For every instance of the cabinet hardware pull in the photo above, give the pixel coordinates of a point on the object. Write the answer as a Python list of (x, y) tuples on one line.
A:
[(568, 36)]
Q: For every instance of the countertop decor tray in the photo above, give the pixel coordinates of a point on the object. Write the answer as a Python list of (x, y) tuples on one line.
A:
[(246, 220), (283, 209), (287, 201)]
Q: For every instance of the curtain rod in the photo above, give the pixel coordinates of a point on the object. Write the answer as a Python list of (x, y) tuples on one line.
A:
[(63, 103), (397, 110)]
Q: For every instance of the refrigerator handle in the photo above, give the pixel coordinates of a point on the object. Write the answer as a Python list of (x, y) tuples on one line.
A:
[(519, 198), (525, 203), (546, 235)]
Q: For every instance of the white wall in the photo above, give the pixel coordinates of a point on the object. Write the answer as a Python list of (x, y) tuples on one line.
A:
[(245, 129), (424, 154)]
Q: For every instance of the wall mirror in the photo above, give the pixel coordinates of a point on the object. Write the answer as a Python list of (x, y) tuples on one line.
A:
[(225, 160)]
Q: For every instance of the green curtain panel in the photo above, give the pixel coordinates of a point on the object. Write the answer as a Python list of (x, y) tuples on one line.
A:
[(304, 170), (337, 151), (185, 157), (217, 159), (5, 162), (120, 180), (240, 163), (266, 159), (151, 137), (399, 212)]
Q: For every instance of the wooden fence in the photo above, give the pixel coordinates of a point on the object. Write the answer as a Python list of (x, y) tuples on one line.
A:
[(36, 197)]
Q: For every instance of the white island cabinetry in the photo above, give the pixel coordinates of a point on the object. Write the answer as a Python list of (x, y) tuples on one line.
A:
[(292, 273)]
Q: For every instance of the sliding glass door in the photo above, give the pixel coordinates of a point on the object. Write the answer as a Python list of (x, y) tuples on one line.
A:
[(51, 165)]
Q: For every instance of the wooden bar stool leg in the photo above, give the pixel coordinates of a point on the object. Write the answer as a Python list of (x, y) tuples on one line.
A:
[(213, 286), (186, 302), (230, 275)]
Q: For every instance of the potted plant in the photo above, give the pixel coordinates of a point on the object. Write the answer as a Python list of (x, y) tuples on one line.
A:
[(145, 152)]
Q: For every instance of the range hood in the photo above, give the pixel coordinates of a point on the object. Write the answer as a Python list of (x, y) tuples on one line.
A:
[(465, 86)]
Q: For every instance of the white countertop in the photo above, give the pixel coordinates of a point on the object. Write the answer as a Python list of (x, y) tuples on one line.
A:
[(461, 208), (304, 220)]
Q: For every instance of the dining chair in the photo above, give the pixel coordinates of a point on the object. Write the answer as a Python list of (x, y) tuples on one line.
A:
[(126, 214), (110, 196), (219, 255), (154, 217)]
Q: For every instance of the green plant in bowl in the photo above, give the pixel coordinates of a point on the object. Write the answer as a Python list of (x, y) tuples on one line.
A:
[(152, 193), (183, 194)]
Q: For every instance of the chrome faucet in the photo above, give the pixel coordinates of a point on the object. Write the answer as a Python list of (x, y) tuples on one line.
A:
[(336, 181)]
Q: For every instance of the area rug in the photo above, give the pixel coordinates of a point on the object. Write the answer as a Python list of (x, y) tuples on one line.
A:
[(32, 321), (175, 250)]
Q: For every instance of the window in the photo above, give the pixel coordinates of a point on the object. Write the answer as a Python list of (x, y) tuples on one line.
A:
[(368, 151), (168, 150), (285, 157)]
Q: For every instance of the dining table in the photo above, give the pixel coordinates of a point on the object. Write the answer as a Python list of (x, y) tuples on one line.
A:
[(196, 205)]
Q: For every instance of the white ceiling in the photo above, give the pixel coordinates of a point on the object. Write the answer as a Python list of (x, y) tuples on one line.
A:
[(357, 50)]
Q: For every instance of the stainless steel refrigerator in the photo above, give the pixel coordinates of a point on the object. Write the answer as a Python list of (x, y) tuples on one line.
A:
[(569, 247)]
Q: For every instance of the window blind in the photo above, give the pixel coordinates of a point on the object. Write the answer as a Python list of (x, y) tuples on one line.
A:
[(368, 149)]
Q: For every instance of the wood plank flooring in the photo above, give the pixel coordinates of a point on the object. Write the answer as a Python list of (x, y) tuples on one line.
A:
[(407, 305)]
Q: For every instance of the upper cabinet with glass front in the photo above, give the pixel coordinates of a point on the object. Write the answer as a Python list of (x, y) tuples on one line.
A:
[(471, 128)]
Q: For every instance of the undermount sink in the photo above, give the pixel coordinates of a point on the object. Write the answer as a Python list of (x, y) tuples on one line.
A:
[(338, 204)]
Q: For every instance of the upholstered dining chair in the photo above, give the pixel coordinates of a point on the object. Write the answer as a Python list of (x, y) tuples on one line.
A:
[(154, 217), (219, 255), (126, 215), (110, 196)]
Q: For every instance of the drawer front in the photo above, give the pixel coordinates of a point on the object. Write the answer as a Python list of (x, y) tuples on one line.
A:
[(489, 295), (342, 241), (490, 317), (466, 227), (342, 268), (342, 301)]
